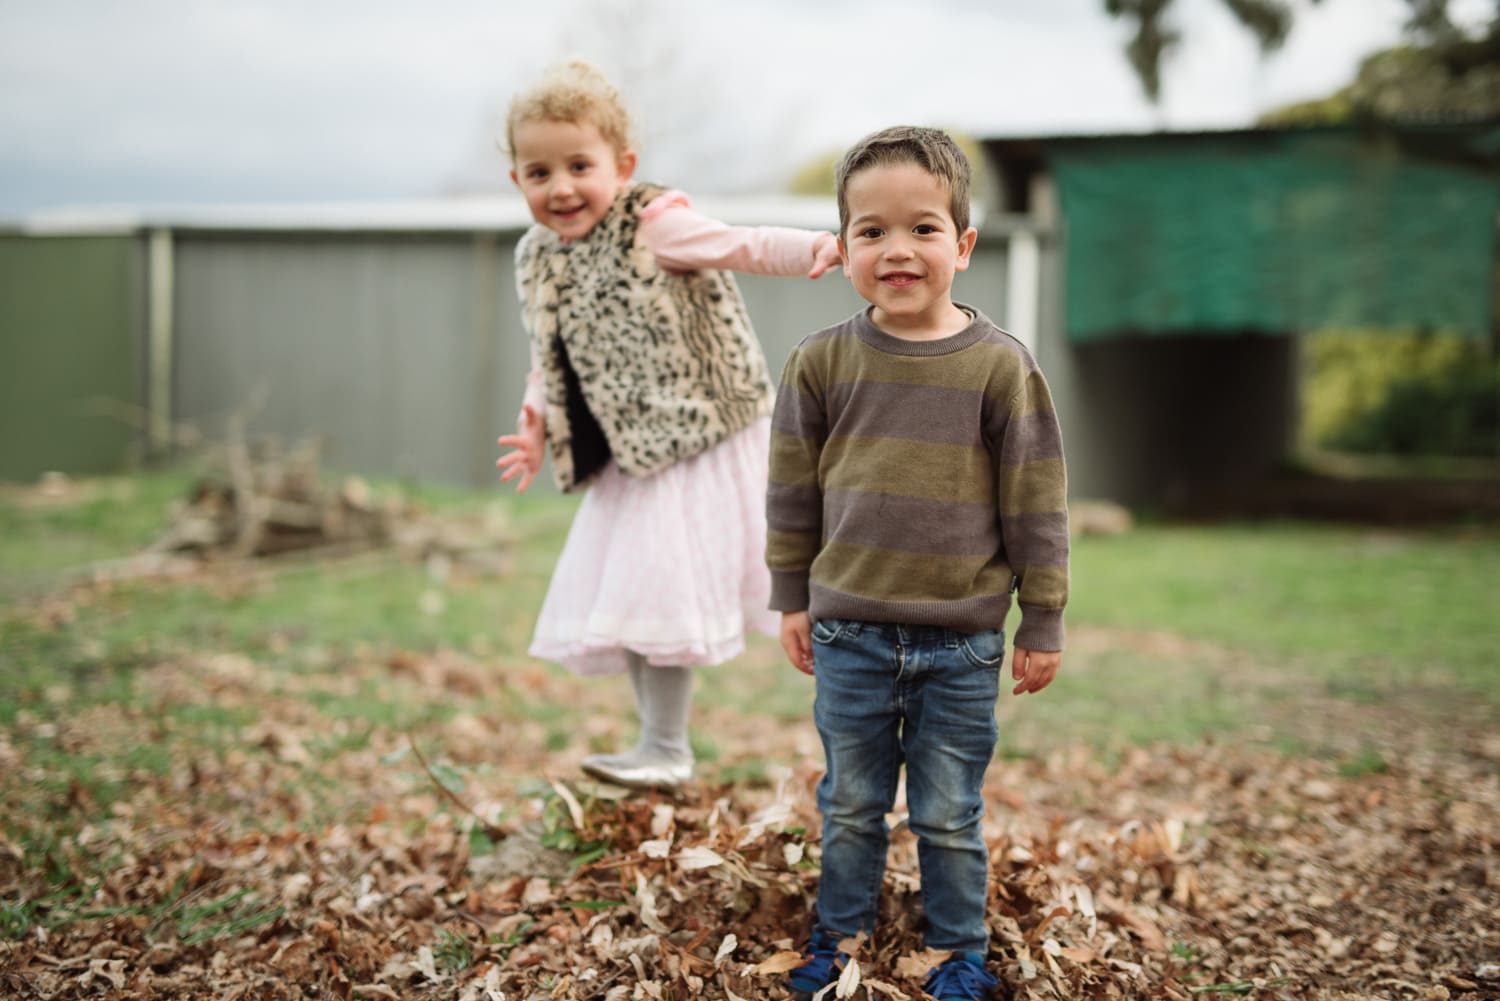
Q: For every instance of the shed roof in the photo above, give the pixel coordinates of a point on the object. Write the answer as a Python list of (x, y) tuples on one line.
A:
[(434, 215), (1275, 230)]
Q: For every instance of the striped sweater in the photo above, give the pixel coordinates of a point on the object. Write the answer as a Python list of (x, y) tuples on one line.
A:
[(919, 482)]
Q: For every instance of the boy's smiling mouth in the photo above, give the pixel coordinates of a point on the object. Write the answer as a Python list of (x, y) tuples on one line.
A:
[(900, 279)]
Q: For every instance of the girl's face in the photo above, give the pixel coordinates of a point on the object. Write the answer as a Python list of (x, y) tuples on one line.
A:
[(569, 174)]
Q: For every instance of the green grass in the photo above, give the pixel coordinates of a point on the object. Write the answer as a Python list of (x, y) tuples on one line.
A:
[(1392, 609), (1258, 630), (328, 608), (1259, 619), (97, 520)]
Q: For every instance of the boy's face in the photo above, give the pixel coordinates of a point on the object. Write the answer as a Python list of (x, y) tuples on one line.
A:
[(902, 248), (569, 174)]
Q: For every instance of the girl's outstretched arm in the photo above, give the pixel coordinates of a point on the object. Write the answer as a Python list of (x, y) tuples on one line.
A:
[(684, 239)]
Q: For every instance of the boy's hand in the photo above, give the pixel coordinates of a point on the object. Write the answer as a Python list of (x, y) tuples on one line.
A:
[(528, 443), (1034, 669), (825, 255), (796, 640)]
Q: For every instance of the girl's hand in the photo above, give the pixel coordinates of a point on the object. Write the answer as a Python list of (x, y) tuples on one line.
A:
[(528, 442), (826, 255), (1034, 669), (796, 640)]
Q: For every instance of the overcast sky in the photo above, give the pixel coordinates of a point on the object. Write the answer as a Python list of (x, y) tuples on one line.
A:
[(174, 101)]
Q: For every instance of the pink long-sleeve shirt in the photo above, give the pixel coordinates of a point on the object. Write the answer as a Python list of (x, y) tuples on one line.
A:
[(683, 239)]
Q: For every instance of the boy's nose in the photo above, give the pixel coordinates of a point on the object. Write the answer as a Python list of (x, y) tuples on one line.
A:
[(898, 250)]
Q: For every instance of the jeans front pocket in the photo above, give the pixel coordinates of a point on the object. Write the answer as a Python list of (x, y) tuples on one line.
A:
[(827, 630), (984, 649)]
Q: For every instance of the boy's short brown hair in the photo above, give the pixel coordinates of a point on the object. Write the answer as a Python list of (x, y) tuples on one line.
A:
[(576, 92), (931, 149)]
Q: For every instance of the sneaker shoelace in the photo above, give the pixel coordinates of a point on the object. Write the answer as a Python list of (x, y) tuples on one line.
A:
[(960, 978), (821, 967)]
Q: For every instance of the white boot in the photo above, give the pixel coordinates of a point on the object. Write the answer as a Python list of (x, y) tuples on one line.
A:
[(662, 758)]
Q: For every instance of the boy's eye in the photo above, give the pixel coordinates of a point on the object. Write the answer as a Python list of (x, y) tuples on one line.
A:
[(537, 174), (580, 167), (870, 233), (925, 229)]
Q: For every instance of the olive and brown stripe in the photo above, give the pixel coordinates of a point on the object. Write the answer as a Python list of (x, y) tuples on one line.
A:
[(918, 482)]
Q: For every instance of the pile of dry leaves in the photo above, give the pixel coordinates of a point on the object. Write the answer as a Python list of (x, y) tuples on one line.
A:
[(1170, 873)]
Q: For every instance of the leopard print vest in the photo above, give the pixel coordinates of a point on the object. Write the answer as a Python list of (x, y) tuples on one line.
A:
[(641, 364)]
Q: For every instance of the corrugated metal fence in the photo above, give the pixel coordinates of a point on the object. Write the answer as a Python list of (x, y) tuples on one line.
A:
[(401, 350)]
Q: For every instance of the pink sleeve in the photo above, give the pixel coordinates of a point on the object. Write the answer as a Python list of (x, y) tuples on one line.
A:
[(683, 239), (536, 393)]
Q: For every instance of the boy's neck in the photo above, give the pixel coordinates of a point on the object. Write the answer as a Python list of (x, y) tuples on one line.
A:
[(948, 322)]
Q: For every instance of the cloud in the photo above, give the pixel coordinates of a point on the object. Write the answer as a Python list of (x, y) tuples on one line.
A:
[(252, 99)]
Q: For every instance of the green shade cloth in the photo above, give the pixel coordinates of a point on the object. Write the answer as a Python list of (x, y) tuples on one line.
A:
[(1279, 232)]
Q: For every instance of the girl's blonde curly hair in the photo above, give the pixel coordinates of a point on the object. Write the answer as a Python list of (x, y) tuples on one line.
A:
[(577, 92)]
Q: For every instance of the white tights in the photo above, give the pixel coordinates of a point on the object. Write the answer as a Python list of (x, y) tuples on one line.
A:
[(663, 699)]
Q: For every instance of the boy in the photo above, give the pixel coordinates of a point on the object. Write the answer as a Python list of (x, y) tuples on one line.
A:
[(917, 482)]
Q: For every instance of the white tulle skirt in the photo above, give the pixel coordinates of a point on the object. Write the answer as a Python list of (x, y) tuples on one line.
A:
[(671, 566)]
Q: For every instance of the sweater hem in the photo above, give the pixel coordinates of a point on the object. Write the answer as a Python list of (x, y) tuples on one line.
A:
[(968, 615)]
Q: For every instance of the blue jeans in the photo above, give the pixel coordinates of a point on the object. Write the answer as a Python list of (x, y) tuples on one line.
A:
[(890, 694)]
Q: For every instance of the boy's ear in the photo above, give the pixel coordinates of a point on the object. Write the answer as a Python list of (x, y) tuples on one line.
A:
[(965, 248), (625, 164), (843, 254), (513, 178)]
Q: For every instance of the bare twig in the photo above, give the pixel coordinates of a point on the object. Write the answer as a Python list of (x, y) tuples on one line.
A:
[(494, 833)]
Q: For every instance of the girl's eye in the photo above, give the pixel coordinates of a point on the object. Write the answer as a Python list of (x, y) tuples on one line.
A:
[(537, 174), (579, 168)]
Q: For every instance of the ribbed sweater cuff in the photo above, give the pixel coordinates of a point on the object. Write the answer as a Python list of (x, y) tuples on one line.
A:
[(1040, 628), (789, 590)]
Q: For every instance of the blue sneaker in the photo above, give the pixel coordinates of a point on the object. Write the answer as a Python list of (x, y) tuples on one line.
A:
[(962, 978), (821, 966)]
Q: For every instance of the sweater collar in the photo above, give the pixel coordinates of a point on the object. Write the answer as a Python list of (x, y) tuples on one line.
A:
[(882, 341)]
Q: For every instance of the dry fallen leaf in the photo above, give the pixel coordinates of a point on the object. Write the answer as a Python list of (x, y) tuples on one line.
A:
[(726, 949), (848, 981), (777, 963), (699, 857)]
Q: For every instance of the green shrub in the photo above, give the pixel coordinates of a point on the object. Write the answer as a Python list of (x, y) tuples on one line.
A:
[(1400, 394), (1455, 414)]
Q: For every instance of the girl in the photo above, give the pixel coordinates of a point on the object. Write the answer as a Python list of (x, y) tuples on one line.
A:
[(650, 386)]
